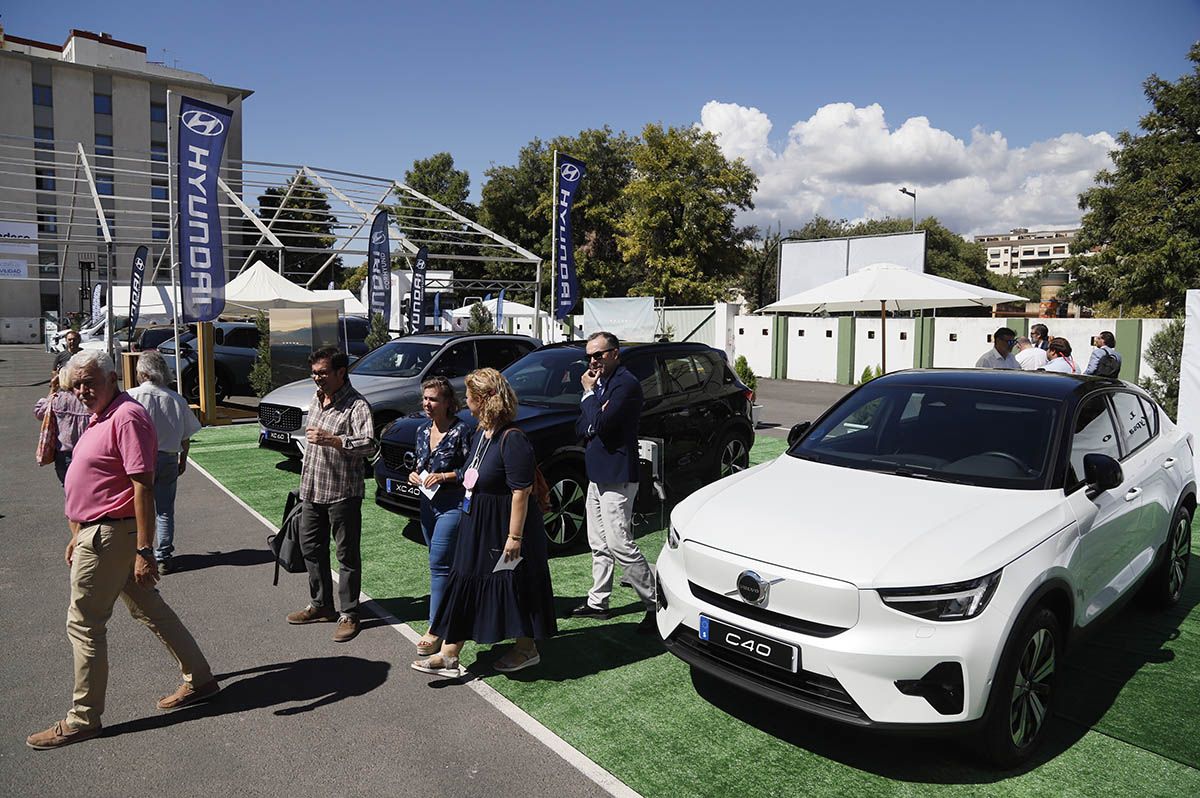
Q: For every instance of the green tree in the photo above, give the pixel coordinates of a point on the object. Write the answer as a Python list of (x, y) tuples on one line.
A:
[(1165, 355), (378, 334), (1140, 234), (260, 372), (677, 230), (304, 222), (352, 280), (481, 320)]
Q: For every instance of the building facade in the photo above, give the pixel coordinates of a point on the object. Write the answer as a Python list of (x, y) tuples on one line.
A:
[(98, 99), (1022, 253)]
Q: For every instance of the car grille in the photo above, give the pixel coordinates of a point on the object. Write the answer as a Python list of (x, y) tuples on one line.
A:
[(769, 617), (812, 691), (393, 454), (280, 417)]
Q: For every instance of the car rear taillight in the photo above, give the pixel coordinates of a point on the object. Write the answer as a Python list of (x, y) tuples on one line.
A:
[(749, 394)]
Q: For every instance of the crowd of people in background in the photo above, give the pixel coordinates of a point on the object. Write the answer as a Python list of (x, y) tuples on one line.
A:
[(1041, 352)]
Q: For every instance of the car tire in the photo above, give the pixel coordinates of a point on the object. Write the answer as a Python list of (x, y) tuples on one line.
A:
[(732, 453), (1023, 692), (566, 522), (1164, 586)]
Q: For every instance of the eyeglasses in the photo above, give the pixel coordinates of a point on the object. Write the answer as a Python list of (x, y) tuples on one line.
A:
[(601, 353)]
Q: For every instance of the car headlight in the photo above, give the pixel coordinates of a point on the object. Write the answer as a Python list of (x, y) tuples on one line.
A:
[(672, 537), (954, 602)]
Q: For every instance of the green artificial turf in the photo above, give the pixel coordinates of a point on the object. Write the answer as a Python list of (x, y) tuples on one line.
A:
[(1131, 695)]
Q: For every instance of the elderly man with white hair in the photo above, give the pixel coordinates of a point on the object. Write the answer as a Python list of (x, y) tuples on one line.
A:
[(1029, 355), (110, 507), (175, 424)]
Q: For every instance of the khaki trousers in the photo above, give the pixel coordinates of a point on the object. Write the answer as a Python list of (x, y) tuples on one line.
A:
[(102, 570), (610, 534)]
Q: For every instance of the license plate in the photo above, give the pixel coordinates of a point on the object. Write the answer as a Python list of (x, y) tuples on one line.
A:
[(277, 436), (751, 644), (402, 488)]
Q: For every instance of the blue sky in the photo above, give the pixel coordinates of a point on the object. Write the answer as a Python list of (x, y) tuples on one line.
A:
[(997, 113)]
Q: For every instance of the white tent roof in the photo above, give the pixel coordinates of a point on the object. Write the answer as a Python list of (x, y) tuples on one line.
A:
[(350, 304), (154, 308), (511, 309), (260, 288), (888, 285)]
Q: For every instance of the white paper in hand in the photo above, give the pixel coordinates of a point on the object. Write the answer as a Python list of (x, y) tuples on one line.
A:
[(501, 565), (427, 491)]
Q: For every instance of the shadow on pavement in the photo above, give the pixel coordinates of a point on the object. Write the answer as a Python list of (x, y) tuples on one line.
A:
[(213, 559), (314, 682)]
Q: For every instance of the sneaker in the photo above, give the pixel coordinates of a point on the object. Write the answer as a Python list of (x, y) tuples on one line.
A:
[(187, 695), (648, 625), (586, 610), (311, 614), (60, 734), (166, 566), (446, 667), (347, 629)]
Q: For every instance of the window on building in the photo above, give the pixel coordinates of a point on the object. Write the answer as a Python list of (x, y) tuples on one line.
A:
[(160, 231), (44, 137), (158, 150), (158, 190), (158, 112), (103, 104), (104, 184), (1060, 250), (104, 145), (44, 179), (43, 95), (47, 223)]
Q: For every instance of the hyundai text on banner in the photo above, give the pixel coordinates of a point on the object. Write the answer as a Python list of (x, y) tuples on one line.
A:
[(135, 287), (380, 272), (203, 129), (416, 305), (570, 172)]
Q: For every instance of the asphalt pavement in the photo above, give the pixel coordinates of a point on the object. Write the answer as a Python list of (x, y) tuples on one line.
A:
[(299, 714), (788, 402)]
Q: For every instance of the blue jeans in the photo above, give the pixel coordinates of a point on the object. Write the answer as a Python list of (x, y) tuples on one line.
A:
[(166, 476), (62, 460), (440, 528)]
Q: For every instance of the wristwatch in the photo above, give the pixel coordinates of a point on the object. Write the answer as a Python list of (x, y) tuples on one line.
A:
[(146, 552)]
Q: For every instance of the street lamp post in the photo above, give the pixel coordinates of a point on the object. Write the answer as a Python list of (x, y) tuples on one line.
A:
[(912, 194)]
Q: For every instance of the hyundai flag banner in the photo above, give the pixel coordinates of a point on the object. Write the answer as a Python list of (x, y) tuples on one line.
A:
[(96, 302), (416, 304), (570, 172), (203, 129), (135, 287), (380, 271)]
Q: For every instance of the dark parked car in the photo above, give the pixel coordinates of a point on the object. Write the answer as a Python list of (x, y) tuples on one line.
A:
[(697, 415), (150, 337)]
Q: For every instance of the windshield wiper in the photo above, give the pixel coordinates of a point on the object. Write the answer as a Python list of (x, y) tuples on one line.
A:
[(927, 475)]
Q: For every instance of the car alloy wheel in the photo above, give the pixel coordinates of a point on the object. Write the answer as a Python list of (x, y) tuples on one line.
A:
[(1180, 554), (735, 456), (566, 518), (1032, 688)]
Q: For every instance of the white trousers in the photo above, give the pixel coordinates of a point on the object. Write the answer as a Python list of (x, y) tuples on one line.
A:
[(610, 534)]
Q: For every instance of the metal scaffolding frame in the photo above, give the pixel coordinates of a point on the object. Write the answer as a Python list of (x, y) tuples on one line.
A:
[(103, 183)]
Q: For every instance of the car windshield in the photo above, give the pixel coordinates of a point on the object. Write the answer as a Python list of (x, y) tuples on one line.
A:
[(549, 377), (941, 433), (185, 337), (396, 359)]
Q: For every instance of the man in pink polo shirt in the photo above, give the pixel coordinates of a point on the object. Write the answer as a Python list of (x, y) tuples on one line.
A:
[(110, 507)]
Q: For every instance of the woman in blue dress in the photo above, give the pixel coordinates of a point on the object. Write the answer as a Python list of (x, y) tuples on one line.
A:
[(441, 457), (499, 586)]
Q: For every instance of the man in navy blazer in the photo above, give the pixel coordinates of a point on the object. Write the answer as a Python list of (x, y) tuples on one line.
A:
[(608, 424)]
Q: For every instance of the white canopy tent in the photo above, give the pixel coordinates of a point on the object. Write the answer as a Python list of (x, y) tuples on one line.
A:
[(351, 306), (260, 288), (887, 286), (511, 309), (155, 306)]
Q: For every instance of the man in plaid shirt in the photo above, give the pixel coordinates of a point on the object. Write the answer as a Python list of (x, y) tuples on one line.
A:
[(340, 434)]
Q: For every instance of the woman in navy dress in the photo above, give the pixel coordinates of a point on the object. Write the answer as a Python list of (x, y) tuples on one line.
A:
[(486, 601), (442, 444)]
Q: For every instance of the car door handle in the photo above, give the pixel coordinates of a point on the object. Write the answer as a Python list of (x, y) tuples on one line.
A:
[(1133, 494), (1169, 462)]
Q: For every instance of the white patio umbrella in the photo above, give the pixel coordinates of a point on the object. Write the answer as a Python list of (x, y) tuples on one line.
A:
[(884, 287)]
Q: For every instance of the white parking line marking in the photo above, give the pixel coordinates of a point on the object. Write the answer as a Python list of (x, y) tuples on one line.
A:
[(573, 756)]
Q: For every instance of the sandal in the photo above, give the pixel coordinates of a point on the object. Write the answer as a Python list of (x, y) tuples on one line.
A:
[(427, 648), (446, 667), (516, 660)]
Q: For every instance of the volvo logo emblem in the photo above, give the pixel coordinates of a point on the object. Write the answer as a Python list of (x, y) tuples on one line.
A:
[(203, 123), (378, 237), (569, 172), (410, 461), (753, 588)]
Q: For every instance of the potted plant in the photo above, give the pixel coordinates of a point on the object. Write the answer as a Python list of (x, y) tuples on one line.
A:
[(741, 367)]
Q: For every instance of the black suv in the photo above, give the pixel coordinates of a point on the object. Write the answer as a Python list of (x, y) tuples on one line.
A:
[(696, 412)]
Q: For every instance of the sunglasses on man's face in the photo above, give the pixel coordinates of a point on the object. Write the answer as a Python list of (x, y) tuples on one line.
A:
[(601, 353)]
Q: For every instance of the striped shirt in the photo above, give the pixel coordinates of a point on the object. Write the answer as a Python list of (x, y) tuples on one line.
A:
[(330, 474)]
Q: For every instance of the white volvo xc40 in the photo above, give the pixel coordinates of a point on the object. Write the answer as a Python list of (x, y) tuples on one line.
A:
[(923, 553)]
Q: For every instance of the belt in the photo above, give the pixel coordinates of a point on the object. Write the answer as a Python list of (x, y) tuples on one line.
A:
[(107, 519)]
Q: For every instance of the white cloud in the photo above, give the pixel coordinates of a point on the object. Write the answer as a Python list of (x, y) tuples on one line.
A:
[(847, 157)]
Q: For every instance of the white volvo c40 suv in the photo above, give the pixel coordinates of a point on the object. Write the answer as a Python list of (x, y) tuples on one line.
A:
[(922, 554)]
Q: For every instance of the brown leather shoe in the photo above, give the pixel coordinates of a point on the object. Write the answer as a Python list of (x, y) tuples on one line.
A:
[(347, 629), (60, 734), (311, 614), (187, 695)]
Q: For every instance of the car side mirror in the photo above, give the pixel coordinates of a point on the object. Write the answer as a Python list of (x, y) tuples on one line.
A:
[(797, 431), (1101, 473)]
